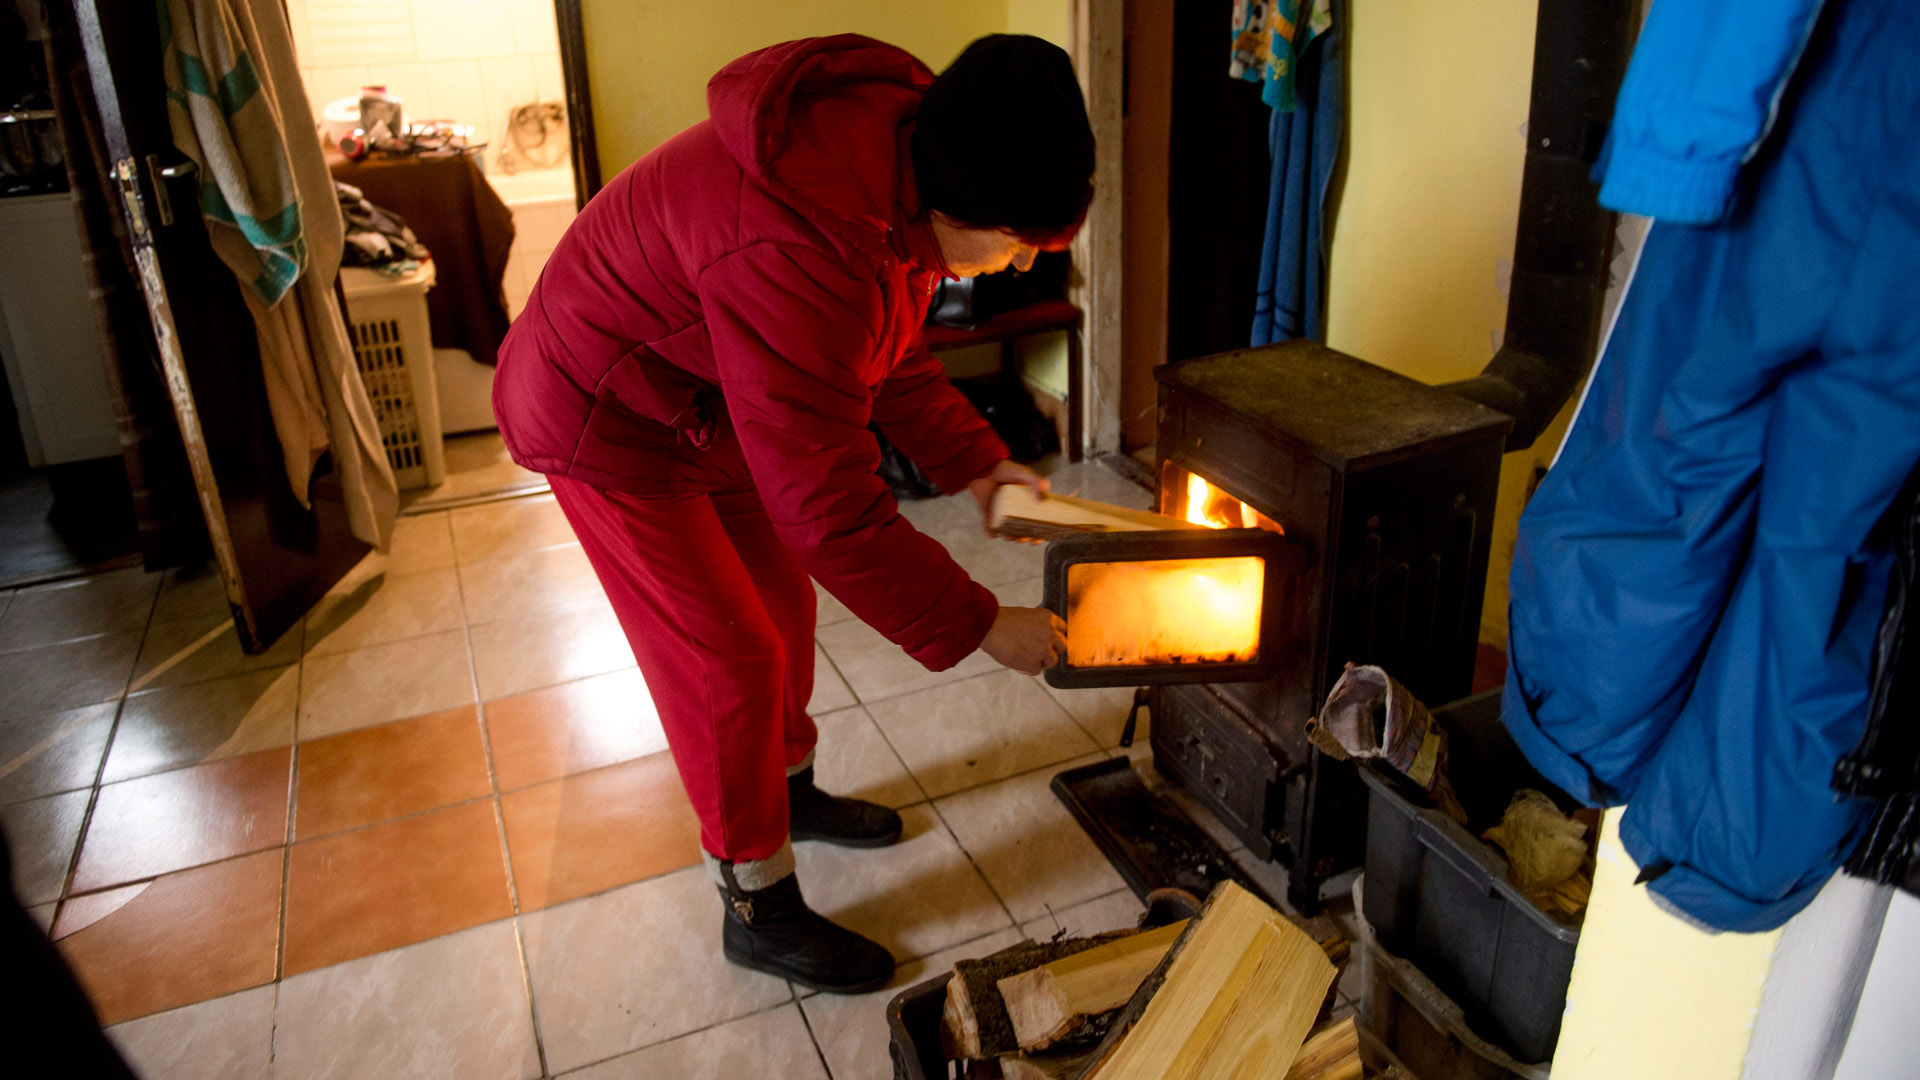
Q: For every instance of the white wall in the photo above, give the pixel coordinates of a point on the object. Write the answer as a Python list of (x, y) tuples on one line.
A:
[(470, 61)]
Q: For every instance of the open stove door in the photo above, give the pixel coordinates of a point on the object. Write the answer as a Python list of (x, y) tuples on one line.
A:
[(1150, 608)]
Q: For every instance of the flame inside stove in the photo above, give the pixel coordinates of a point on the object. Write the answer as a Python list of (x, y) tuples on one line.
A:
[(1208, 505), (1168, 611)]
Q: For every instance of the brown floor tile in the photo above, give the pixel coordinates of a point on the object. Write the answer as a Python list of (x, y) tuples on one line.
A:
[(187, 937), (379, 773), (159, 824), (588, 833), (362, 892), (546, 734), (204, 721)]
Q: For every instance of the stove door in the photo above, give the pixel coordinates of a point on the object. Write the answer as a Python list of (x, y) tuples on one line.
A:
[(1148, 608)]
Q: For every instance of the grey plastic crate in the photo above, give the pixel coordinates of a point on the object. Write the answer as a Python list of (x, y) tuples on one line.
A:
[(1439, 896)]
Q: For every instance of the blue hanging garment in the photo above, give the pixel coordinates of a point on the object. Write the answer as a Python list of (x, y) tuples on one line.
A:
[(1305, 81), (1697, 582)]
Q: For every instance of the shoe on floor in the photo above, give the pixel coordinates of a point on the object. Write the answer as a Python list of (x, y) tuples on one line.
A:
[(774, 931), (813, 814)]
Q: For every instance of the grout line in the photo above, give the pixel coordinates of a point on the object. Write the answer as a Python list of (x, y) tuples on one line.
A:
[(499, 819), (100, 769), (812, 1036)]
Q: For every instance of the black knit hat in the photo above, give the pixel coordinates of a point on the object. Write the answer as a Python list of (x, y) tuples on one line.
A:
[(1003, 140)]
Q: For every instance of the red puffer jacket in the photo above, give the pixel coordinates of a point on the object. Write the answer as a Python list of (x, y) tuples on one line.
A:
[(746, 298)]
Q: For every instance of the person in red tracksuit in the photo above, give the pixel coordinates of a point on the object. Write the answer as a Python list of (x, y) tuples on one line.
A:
[(696, 371)]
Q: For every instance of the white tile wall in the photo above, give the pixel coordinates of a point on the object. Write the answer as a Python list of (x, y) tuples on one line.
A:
[(470, 61), (537, 228)]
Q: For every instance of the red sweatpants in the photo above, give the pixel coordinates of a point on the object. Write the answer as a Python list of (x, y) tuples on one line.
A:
[(721, 618)]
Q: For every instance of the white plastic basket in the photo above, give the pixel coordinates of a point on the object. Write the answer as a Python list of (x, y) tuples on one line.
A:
[(393, 347)]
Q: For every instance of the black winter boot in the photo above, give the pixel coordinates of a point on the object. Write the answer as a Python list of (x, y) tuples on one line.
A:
[(813, 814), (773, 930)]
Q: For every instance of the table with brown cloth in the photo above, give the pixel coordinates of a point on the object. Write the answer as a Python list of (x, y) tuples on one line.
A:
[(457, 215)]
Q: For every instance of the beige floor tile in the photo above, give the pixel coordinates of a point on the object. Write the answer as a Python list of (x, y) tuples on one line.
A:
[(1092, 480), (510, 527), (853, 759), (876, 669), (42, 915), (827, 609), (49, 753), (852, 1031), (775, 1043), (421, 542), (1102, 712), (942, 514), (919, 896), (384, 608), (519, 585), (386, 682), (204, 647), (455, 1006), (97, 604), (633, 967), (186, 817), (1114, 911), (66, 676), (1032, 851), (991, 560), (477, 465), (830, 691), (553, 647), (980, 730), (191, 592), (205, 721), (1024, 592), (41, 834), (228, 1038)]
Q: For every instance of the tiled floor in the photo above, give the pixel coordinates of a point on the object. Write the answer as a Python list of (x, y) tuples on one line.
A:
[(434, 831)]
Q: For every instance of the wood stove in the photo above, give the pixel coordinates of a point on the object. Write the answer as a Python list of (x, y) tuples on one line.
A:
[(1383, 489)]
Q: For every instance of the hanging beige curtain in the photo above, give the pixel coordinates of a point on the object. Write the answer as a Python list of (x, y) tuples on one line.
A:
[(239, 110)]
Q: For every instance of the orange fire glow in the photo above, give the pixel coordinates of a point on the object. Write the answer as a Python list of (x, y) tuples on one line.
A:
[(1166, 611), (1208, 505)]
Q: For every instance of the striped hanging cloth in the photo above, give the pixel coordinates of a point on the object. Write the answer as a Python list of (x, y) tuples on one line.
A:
[(235, 135)]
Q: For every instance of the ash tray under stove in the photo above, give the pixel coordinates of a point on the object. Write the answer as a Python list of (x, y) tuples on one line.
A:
[(1149, 608)]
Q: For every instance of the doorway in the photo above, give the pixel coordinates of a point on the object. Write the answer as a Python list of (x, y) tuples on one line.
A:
[(65, 504)]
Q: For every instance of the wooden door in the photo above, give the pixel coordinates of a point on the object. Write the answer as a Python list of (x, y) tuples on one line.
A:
[(275, 556)]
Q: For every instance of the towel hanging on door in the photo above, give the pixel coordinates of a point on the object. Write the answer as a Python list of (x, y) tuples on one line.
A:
[(232, 131)]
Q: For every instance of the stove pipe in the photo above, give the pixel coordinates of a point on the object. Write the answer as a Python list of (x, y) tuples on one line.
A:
[(1561, 250)]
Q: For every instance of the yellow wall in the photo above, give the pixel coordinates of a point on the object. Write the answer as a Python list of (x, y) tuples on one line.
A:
[(1424, 231), (1654, 998), (649, 62)]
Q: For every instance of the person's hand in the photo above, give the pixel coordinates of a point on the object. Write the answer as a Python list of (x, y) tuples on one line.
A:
[(1028, 640), (1007, 472)]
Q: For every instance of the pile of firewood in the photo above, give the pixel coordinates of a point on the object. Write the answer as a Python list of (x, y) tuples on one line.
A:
[(1233, 991)]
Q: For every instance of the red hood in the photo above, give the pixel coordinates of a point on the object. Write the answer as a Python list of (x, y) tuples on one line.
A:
[(805, 117)]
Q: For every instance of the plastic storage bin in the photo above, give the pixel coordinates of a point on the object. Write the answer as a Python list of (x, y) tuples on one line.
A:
[(1439, 896), (393, 348), (1417, 1024)]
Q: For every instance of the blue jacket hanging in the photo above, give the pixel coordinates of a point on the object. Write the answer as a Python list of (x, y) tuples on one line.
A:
[(1698, 580)]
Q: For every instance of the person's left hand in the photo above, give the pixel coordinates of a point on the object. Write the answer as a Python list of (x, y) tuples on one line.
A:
[(1007, 472)]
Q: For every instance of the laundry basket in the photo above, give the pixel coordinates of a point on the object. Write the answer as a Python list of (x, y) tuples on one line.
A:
[(392, 346)]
